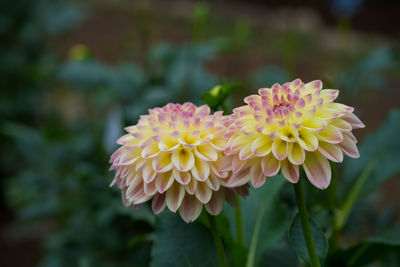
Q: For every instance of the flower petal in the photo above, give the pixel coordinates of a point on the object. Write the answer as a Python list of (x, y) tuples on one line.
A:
[(308, 140), (270, 165), (206, 152), (240, 178), (239, 142), (190, 209), (201, 170), (261, 146), (280, 148), (174, 196), (150, 150), (203, 192), (216, 203), (183, 159), (314, 124), (213, 182), (331, 134), (148, 172), (290, 171), (342, 125), (237, 164), (181, 177), (158, 204), (245, 153), (164, 181), (354, 121), (349, 147), (191, 186), (331, 151), (168, 143), (162, 163), (296, 154), (150, 188), (317, 169), (258, 178)]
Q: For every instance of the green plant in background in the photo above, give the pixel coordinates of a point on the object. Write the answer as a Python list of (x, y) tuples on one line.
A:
[(63, 187)]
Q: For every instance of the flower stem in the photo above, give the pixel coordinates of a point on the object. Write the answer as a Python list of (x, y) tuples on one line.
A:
[(217, 242), (238, 221), (305, 224)]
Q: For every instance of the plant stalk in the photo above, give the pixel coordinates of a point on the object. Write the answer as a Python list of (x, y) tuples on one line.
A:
[(217, 242), (238, 221), (305, 224)]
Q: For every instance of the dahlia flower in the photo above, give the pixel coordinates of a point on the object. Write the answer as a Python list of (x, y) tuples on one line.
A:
[(286, 126), (173, 156)]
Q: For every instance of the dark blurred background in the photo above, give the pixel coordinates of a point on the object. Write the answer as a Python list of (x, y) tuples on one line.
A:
[(74, 73)]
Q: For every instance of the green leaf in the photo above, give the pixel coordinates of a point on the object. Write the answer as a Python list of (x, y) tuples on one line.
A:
[(296, 238), (180, 244), (219, 94), (381, 147), (367, 251), (264, 218)]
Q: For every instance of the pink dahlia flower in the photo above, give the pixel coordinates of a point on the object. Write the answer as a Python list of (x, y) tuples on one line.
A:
[(173, 156), (287, 126)]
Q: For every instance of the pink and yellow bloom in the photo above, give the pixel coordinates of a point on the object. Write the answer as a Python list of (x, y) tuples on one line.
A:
[(287, 126), (173, 156)]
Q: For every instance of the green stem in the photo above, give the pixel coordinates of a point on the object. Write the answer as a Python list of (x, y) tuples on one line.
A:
[(353, 195), (254, 238), (333, 205), (305, 224), (238, 221), (217, 242)]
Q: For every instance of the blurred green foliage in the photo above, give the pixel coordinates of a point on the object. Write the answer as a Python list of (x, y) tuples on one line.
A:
[(60, 120)]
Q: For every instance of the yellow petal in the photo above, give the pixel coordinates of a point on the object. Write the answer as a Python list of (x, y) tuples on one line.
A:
[(239, 142), (331, 134), (296, 154), (245, 153), (314, 124), (261, 146), (168, 143), (308, 140), (342, 125), (206, 152), (150, 150), (288, 134), (183, 159), (201, 170), (162, 163), (280, 149)]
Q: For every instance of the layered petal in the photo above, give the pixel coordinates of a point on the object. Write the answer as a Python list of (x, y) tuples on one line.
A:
[(317, 169)]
